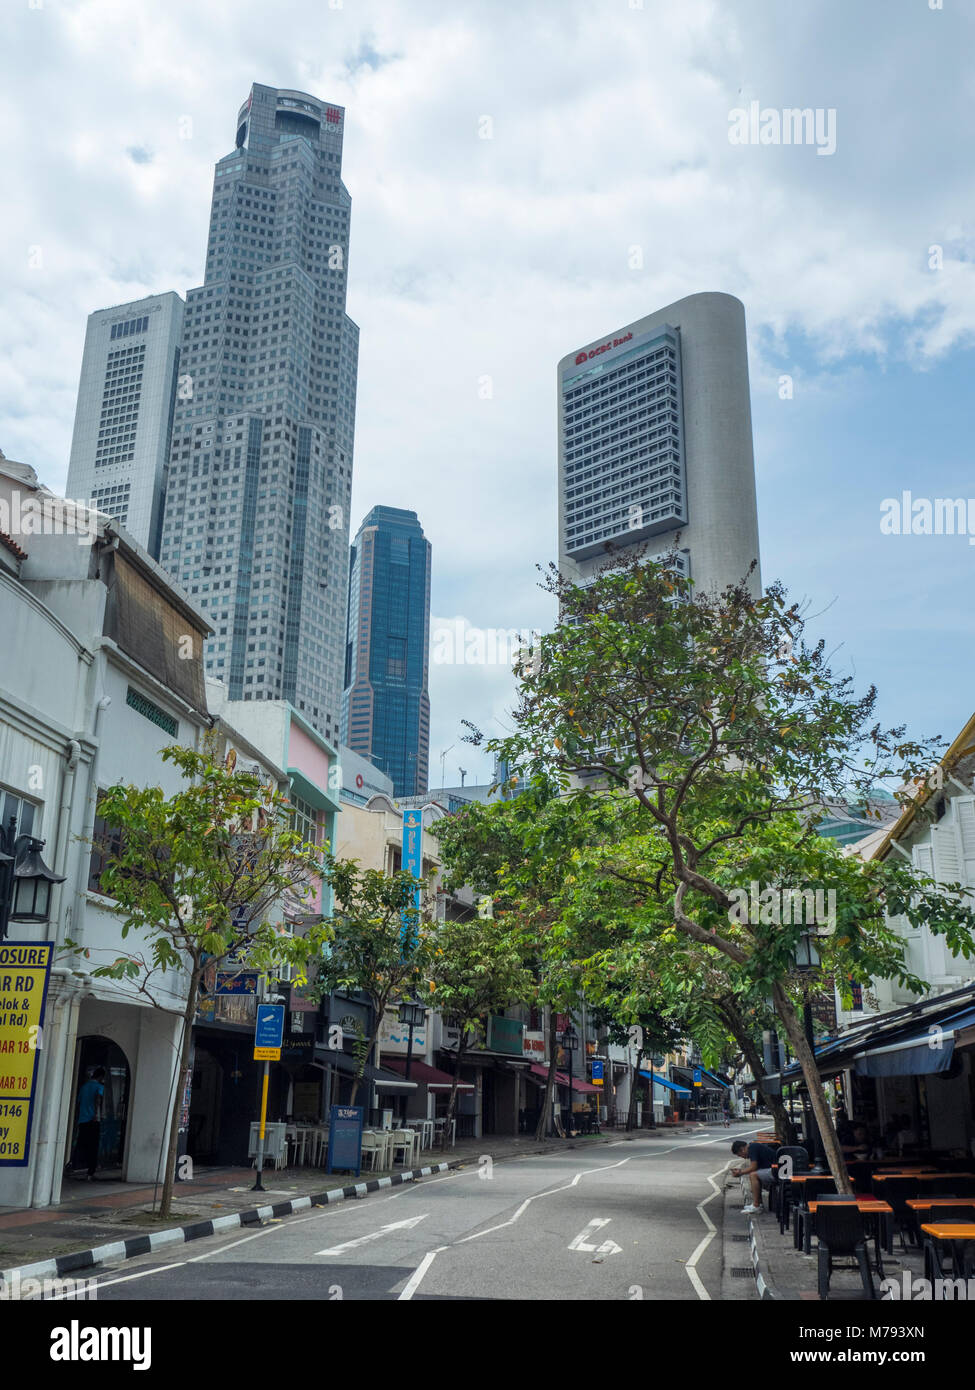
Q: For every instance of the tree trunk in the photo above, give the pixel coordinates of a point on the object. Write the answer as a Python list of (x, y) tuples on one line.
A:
[(784, 1128), (451, 1104), (631, 1112), (189, 1014), (544, 1119), (817, 1096), (357, 1079)]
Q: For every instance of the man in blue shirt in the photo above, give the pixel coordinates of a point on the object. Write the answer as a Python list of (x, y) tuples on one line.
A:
[(758, 1170), (91, 1098)]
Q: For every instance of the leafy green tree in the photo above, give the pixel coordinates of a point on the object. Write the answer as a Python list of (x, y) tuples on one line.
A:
[(198, 878), (475, 967), (712, 727), (381, 944), (518, 852)]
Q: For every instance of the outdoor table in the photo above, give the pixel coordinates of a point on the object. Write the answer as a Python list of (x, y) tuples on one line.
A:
[(956, 1237), (926, 1208), (883, 1231), (921, 1177)]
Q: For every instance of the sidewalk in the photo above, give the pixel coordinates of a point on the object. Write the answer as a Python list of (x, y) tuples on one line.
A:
[(791, 1275), (100, 1213)]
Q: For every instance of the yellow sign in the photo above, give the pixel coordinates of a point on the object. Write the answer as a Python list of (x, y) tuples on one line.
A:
[(267, 1054), (24, 970)]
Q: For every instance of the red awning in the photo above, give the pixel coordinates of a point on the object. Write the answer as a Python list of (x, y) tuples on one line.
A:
[(424, 1074), (562, 1079)]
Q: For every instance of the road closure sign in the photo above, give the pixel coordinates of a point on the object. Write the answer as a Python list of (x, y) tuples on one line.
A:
[(25, 968)]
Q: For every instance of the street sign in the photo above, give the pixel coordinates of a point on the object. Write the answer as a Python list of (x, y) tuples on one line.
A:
[(345, 1138), (698, 1078), (597, 1072), (412, 857), (268, 1032), (25, 967)]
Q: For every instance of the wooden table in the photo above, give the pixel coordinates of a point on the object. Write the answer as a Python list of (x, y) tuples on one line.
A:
[(956, 1236), (869, 1206)]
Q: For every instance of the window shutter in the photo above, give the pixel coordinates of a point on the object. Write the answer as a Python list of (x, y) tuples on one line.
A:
[(947, 856)]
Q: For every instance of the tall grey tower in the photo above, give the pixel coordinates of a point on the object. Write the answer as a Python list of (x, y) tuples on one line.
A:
[(257, 509), (124, 417), (655, 438), (386, 702)]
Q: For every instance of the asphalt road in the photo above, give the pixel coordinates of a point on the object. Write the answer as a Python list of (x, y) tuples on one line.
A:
[(626, 1220)]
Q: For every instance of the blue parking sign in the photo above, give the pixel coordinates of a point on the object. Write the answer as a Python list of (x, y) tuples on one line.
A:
[(269, 1032)]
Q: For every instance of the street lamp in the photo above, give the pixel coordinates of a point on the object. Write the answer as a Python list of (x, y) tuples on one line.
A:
[(806, 962), (412, 1014), (569, 1039), (25, 880)]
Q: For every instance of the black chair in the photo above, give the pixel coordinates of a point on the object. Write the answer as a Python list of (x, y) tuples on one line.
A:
[(897, 1191), (963, 1260), (839, 1231), (799, 1156), (782, 1195), (813, 1190)]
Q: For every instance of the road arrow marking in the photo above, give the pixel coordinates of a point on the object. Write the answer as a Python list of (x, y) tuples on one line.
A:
[(608, 1247), (374, 1235)]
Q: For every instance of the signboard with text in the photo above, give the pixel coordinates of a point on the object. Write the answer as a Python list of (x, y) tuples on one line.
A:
[(25, 968), (345, 1138), (269, 1033), (412, 857)]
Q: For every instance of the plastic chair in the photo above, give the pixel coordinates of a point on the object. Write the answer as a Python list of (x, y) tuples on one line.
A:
[(372, 1147), (404, 1139), (839, 1231), (897, 1191), (813, 1190)]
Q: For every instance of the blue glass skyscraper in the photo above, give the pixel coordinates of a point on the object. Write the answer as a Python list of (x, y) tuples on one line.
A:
[(386, 702)]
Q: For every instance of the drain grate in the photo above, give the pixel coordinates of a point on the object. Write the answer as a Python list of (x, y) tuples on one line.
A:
[(739, 1235), (742, 1272)]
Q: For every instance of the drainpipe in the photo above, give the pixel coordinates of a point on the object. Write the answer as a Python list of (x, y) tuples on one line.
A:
[(81, 885)]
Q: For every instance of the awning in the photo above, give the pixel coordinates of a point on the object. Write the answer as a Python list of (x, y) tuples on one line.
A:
[(384, 1080), (425, 1075), (662, 1081), (725, 1084), (689, 1072), (562, 1079), (923, 1055)]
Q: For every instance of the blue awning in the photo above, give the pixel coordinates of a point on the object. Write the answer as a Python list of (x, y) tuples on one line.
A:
[(725, 1084), (662, 1081)]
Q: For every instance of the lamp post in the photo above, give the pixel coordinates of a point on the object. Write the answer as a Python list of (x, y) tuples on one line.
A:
[(25, 880), (806, 962), (412, 1014), (570, 1041)]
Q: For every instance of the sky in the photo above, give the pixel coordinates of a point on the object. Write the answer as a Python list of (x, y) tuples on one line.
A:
[(527, 176)]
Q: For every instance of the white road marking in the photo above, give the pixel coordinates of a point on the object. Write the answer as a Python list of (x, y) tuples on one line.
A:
[(692, 1273), (416, 1278), (374, 1235), (608, 1247), (144, 1273)]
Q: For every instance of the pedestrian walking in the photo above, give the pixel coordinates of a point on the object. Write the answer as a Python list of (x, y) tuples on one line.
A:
[(91, 1100)]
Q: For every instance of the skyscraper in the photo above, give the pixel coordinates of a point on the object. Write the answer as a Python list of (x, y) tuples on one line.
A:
[(386, 703), (257, 513), (124, 417), (655, 438)]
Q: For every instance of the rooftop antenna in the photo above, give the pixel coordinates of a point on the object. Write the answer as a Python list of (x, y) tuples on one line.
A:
[(463, 774)]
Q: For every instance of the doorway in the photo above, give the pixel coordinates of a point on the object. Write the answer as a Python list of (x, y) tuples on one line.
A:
[(94, 1052)]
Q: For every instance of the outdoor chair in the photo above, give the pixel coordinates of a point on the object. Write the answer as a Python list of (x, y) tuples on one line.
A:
[(405, 1140), (372, 1148), (933, 1268), (946, 1213), (897, 1191), (839, 1232), (813, 1190), (799, 1156)]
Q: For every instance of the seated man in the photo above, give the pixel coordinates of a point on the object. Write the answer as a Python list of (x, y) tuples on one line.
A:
[(857, 1145), (758, 1171)]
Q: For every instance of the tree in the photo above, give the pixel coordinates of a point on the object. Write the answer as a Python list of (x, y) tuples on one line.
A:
[(518, 853), (476, 967), (656, 1033), (200, 875), (716, 728), (380, 947)]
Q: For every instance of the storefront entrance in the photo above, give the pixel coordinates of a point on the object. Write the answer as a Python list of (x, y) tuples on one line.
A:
[(94, 1052)]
